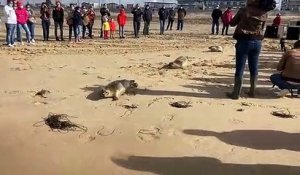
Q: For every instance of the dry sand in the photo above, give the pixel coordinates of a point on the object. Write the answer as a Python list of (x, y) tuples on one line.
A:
[(213, 137)]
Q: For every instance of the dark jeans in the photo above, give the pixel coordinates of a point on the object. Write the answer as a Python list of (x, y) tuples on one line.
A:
[(215, 23), (136, 27), (162, 26), (247, 49), (101, 30), (61, 27), (225, 28), (170, 24), (90, 28), (10, 33), (70, 32), (121, 31), (19, 32), (277, 80), (180, 25), (31, 27), (146, 27), (46, 27), (84, 31)]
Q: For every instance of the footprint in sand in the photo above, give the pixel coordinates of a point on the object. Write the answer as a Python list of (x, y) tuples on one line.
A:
[(168, 118), (106, 131), (86, 138), (148, 135)]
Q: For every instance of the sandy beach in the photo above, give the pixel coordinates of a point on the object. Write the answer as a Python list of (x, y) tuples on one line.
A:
[(215, 136)]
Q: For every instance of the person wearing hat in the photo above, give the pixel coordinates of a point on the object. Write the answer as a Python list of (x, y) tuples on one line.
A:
[(216, 15), (58, 17), (22, 18), (10, 23), (31, 22)]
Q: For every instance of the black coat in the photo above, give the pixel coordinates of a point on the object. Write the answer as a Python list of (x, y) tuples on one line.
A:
[(163, 14), (58, 14), (137, 14), (104, 11), (147, 16), (172, 15), (216, 14), (77, 18)]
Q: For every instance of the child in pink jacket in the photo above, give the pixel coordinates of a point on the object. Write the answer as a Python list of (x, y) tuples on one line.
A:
[(22, 18)]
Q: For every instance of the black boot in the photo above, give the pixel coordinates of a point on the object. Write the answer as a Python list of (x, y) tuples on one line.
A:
[(253, 82), (235, 95)]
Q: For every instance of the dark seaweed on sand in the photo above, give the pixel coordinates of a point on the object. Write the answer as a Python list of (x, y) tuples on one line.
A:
[(61, 123)]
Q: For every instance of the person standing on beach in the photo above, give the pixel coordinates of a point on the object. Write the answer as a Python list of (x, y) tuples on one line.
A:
[(226, 19), (137, 17), (163, 15), (31, 22), (181, 13), (122, 20), (10, 23), (70, 20), (77, 22), (85, 21), (216, 15), (58, 17), (91, 14), (22, 17), (45, 17), (147, 17), (171, 18), (250, 22), (105, 14)]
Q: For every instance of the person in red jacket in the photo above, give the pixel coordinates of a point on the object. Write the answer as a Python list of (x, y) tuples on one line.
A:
[(112, 26), (277, 20), (226, 19), (91, 14), (22, 18), (122, 19)]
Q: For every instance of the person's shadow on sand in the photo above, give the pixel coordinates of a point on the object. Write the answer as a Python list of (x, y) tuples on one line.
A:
[(255, 139), (200, 166)]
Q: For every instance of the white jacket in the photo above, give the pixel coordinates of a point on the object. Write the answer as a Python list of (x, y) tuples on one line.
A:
[(10, 15)]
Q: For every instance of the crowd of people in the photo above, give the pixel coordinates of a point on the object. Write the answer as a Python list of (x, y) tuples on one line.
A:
[(80, 21), (249, 22)]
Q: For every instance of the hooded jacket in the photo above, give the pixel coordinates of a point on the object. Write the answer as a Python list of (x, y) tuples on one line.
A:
[(122, 18), (10, 15), (22, 15), (227, 17), (250, 22), (147, 15), (137, 14)]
